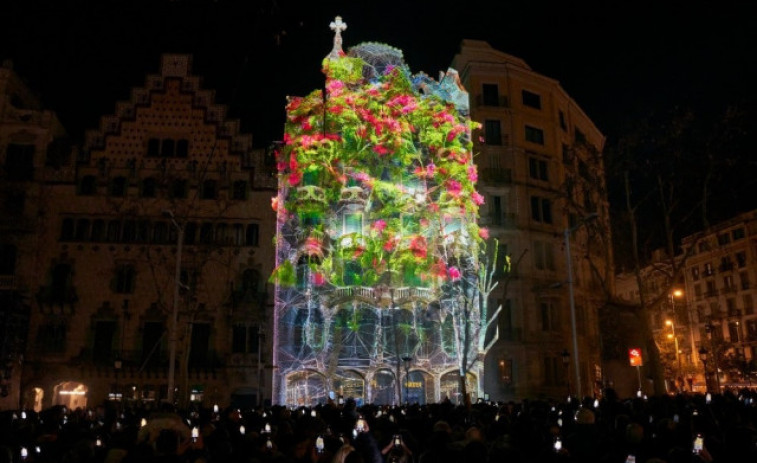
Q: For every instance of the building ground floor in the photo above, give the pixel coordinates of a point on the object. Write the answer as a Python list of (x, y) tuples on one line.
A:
[(46, 385)]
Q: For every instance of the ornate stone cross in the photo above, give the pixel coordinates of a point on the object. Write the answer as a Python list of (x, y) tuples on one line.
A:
[(337, 26)]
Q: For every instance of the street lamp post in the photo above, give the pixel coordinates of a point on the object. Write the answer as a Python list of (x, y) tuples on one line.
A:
[(175, 312), (569, 264), (672, 326)]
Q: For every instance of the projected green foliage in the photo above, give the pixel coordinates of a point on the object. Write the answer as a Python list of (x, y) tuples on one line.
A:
[(380, 176)]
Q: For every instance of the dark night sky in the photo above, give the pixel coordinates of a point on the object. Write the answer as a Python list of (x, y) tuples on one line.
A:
[(616, 59)]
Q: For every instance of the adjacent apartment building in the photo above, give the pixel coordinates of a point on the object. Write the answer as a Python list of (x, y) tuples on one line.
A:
[(160, 220), (721, 282), (542, 174)]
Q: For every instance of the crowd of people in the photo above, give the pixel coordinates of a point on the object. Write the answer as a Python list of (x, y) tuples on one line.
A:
[(666, 429)]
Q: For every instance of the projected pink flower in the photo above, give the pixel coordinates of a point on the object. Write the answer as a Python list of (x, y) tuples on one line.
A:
[(454, 273)]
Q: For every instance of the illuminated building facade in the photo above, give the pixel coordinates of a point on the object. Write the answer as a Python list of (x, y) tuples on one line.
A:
[(378, 246), (541, 172), (167, 165)]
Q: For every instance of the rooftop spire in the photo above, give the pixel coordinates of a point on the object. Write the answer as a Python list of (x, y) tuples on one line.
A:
[(337, 26)]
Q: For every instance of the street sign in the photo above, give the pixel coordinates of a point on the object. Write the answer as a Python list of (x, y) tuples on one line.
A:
[(634, 357)]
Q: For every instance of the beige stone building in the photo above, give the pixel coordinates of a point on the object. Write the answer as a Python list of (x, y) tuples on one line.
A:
[(31, 140), (100, 280), (541, 170)]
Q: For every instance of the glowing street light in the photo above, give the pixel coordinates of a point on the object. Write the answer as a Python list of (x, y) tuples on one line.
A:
[(675, 340)]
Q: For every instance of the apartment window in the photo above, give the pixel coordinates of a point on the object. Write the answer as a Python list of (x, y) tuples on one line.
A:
[(490, 94), (114, 231), (741, 259), (728, 282), (549, 317), (708, 269), (534, 135), (738, 234), (544, 256), (541, 209), (118, 187), (744, 277), (245, 339), (159, 232), (711, 291), (82, 230), (67, 230), (704, 246), (698, 290), (167, 148), (239, 190), (530, 99), (724, 239), (129, 232), (493, 132), (209, 189), (190, 233), (179, 188), (19, 162), (98, 230), (149, 187), (253, 234), (561, 116), (182, 148), (746, 300), (695, 273), (726, 264), (537, 169), (124, 279)]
